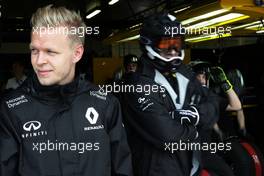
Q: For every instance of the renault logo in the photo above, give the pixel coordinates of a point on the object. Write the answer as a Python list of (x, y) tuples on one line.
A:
[(91, 115), (32, 126)]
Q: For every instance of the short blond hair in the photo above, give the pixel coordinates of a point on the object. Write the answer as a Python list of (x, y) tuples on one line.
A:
[(50, 16)]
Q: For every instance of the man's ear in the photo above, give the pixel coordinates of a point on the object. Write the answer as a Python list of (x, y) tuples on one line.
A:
[(78, 52)]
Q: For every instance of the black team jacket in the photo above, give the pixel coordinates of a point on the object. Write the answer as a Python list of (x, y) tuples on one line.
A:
[(152, 126), (70, 130)]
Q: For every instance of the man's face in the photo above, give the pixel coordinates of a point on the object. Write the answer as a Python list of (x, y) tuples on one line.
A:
[(131, 67), (170, 47), (202, 79), (54, 57)]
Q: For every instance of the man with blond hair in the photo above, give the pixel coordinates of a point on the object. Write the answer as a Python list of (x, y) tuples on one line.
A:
[(55, 124)]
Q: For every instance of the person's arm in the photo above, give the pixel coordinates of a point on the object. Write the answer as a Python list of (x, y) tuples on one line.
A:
[(234, 103), (218, 131), (9, 148), (216, 128), (151, 120), (241, 119), (120, 153), (241, 122)]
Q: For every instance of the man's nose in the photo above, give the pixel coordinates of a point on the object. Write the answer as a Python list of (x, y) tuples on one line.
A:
[(173, 52), (41, 58)]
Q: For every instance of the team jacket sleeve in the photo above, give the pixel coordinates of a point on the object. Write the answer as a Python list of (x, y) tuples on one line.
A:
[(120, 152), (148, 116), (8, 149)]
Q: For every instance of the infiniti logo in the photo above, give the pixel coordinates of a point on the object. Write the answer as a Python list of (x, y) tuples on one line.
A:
[(140, 100), (32, 126)]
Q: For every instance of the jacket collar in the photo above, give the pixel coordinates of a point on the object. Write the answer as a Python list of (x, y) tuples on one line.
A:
[(54, 92)]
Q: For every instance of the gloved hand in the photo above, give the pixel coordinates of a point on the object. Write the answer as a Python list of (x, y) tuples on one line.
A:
[(219, 77), (188, 115)]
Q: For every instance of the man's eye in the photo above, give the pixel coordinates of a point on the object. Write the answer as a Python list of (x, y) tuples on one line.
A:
[(34, 51), (52, 52)]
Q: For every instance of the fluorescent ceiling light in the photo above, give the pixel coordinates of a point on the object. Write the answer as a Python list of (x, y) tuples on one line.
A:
[(261, 31), (206, 37), (112, 2), (180, 10), (95, 12), (231, 17), (256, 27), (231, 20), (134, 26), (246, 25), (111, 34), (129, 38), (207, 15)]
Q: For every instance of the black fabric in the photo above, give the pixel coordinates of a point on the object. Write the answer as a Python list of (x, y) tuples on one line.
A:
[(215, 164), (62, 112), (150, 124), (227, 122)]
